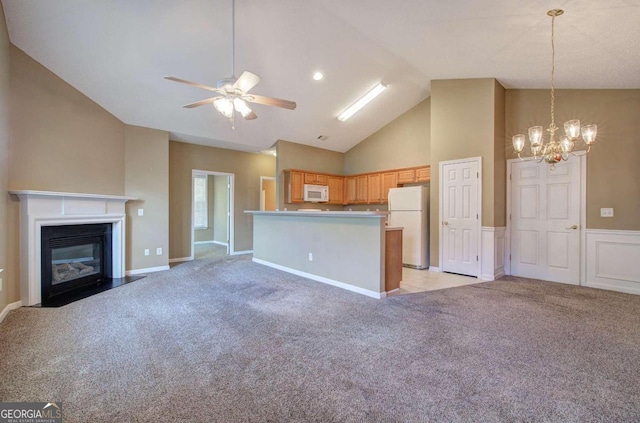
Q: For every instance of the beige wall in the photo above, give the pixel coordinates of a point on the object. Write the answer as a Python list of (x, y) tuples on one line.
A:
[(247, 168), (405, 142), (269, 188), (147, 177), (613, 174), (59, 140), (464, 115), (6, 297), (298, 156)]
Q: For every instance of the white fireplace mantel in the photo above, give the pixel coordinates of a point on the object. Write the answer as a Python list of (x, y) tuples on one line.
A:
[(48, 208)]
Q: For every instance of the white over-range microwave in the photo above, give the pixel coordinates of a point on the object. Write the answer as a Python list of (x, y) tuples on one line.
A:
[(316, 193)]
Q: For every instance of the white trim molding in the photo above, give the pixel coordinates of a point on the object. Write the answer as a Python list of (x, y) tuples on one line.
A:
[(203, 242), (435, 269), (493, 252), (8, 308), (332, 282), (180, 259), (147, 270), (224, 244), (240, 253), (613, 260)]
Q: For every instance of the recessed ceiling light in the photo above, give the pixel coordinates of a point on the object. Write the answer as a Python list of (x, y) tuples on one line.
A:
[(318, 76)]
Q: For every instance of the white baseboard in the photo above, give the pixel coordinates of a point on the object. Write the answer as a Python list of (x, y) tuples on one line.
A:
[(8, 308), (225, 244), (435, 269), (180, 259), (368, 293), (613, 260), (147, 270), (239, 253), (203, 242)]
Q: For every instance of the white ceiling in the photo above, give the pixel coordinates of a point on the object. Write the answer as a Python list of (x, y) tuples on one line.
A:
[(117, 52)]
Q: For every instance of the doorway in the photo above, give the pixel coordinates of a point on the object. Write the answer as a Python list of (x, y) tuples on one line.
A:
[(460, 215), (267, 193), (546, 210), (211, 213)]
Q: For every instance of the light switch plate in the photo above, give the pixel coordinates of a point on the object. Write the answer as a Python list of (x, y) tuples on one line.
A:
[(140, 212), (606, 212), (159, 251), (146, 251)]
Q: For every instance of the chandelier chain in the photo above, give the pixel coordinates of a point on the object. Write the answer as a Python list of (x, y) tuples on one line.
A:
[(553, 72)]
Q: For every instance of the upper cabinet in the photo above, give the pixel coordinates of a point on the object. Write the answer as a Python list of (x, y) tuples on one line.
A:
[(294, 186), (366, 188), (316, 179), (336, 189)]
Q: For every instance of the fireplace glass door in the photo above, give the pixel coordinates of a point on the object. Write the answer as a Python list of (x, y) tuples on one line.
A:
[(69, 263), (74, 257)]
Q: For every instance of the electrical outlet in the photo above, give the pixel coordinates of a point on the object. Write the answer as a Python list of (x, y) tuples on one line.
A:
[(146, 251), (0, 284), (606, 212), (140, 212), (159, 251), (310, 256)]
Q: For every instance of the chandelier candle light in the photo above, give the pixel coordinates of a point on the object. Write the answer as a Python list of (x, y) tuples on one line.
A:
[(554, 151)]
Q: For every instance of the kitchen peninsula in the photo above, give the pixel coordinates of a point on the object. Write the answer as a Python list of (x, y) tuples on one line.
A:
[(340, 248)]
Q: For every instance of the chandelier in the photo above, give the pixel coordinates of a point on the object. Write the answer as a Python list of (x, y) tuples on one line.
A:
[(555, 150)]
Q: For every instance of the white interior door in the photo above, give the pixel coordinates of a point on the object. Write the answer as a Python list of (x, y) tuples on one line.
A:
[(545, 220), (460, 216)]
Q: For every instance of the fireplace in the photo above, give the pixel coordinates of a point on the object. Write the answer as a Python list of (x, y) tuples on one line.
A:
[(42, 209), (74, 257)]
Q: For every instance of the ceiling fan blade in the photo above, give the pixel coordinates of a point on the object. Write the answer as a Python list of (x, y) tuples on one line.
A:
[(270, 101), (200, 103), (246, 81), (193, 84), (251, 116)]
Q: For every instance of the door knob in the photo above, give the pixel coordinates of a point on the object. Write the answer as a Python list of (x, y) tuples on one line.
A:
[(572, 227), (445, 223)]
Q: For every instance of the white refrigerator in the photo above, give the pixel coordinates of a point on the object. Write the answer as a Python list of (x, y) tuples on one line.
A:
[(409, 209)]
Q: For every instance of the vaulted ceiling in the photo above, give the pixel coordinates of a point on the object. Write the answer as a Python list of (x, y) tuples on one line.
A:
[(117, 52)]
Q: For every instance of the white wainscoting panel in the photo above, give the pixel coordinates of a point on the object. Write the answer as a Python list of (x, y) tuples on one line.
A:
[(493, 253), (613, 260)]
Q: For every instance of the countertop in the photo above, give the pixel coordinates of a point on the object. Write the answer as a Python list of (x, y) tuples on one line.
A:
[(374, 214)]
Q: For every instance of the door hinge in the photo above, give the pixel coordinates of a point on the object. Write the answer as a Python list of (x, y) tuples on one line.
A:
[(476, 258), (477, 216), (477, 174), (509, 176)]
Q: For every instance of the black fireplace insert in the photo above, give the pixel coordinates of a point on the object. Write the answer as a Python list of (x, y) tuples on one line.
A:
[(74, 257)]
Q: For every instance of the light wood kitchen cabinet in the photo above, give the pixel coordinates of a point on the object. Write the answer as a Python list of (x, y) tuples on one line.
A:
[(316, 179), (351, 191), (361, 189), (423, 174), (336, 189), (406, 176), (294, 186), (389, 180), (374, 188)]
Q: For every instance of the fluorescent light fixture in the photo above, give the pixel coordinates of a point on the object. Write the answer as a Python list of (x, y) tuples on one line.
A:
[(355, 107)]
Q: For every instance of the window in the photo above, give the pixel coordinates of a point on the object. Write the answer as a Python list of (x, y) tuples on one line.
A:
[(200, 206)]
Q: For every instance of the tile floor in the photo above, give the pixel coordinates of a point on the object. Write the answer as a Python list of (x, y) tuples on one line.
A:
[(414, 280)]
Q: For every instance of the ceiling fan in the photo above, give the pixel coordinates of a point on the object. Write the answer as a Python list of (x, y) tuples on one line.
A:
[(232, 93)]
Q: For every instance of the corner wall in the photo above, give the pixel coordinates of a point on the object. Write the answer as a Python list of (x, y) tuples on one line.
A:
[(5, 296), (464, 115), (147, 177), (405, 142)]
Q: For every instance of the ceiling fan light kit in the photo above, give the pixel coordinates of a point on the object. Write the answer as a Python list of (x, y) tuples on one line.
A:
[(554, 151), (232, 93), (362, 101)]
